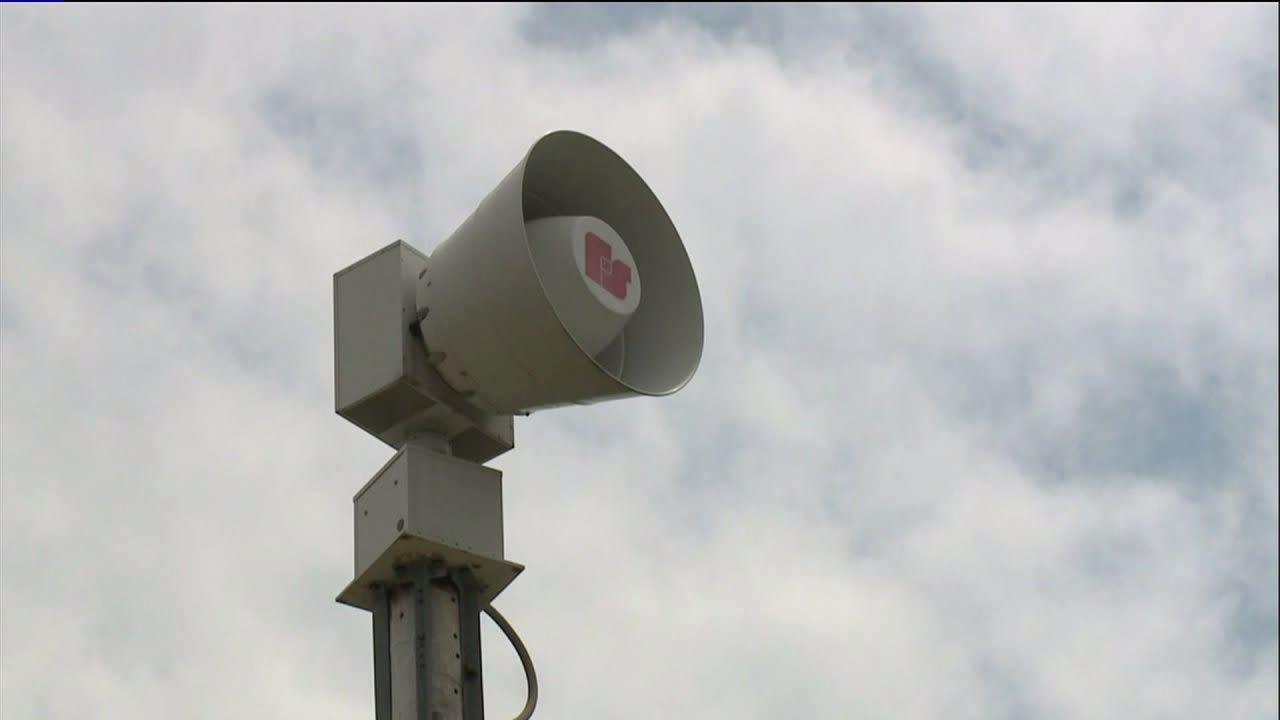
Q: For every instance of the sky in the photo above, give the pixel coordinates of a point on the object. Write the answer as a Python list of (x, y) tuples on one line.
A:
[(985, 425)]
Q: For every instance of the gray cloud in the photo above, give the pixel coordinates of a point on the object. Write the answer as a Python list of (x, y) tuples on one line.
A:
[(986, 425)]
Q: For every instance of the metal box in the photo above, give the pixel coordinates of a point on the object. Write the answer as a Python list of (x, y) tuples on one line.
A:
[(382, 380), (424, 504)]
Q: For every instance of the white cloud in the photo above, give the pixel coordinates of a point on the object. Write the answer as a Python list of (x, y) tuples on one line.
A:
[(986, 425)]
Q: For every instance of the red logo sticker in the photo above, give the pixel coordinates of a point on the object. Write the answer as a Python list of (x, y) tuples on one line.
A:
[(612, 275)]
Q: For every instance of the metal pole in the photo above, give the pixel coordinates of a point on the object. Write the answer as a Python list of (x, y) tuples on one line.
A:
[(426, 653), (381, 653), (426, 637), (469, 632)]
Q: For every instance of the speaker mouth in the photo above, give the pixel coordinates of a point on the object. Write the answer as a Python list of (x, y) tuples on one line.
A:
[(659, 350)]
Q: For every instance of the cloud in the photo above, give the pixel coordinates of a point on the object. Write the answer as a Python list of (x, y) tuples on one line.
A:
[(986, 425)]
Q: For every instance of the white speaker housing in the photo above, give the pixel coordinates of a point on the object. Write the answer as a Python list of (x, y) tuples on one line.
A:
[(485, 316)]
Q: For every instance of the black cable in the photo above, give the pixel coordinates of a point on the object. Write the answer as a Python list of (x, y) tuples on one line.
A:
[(530, 676)]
